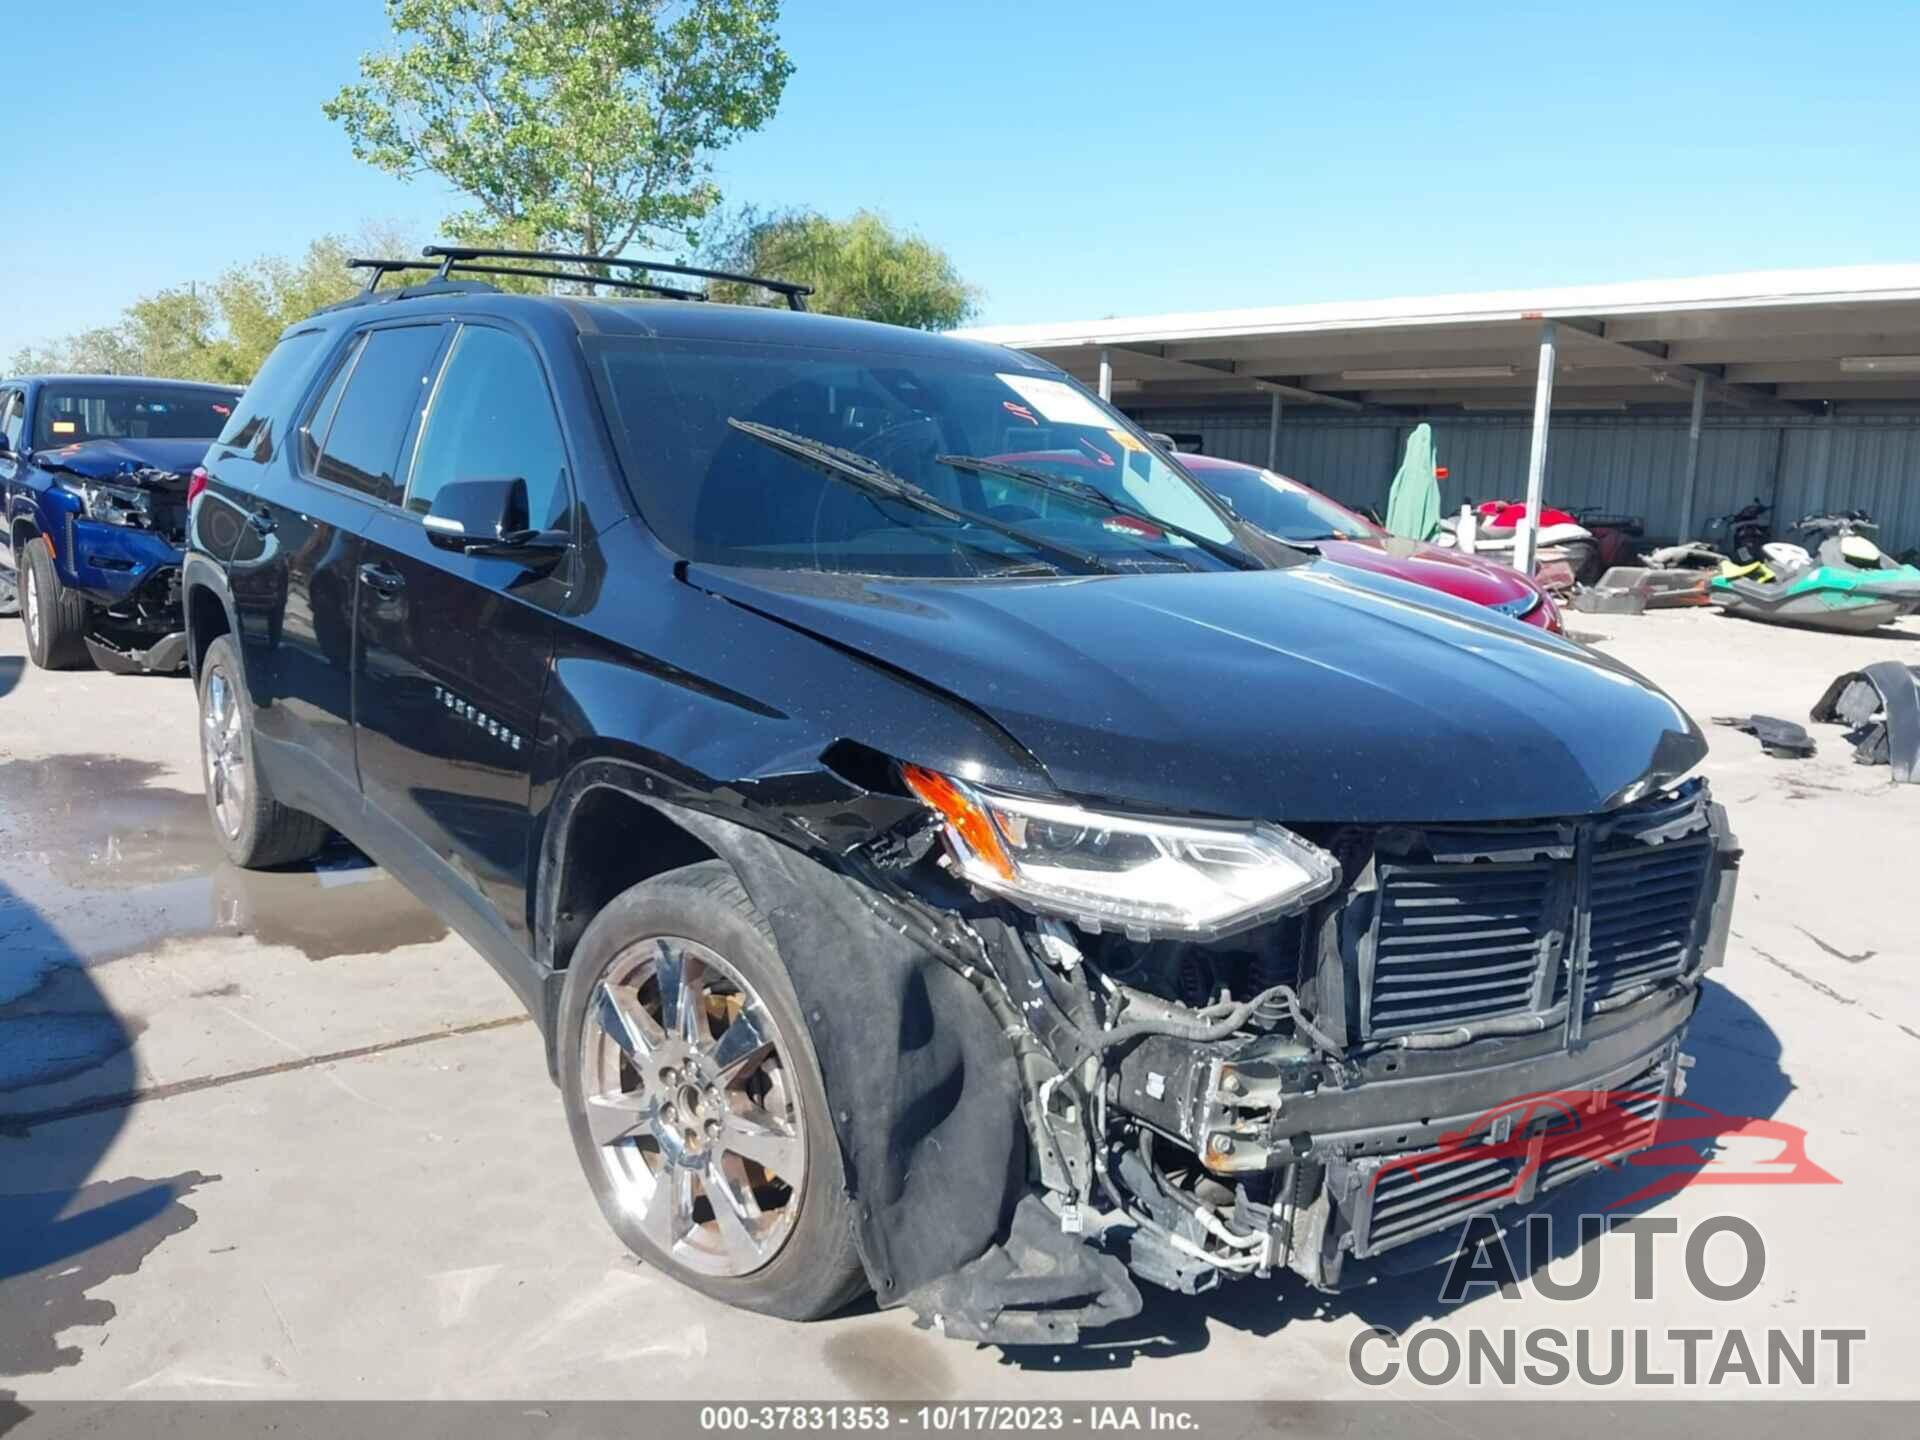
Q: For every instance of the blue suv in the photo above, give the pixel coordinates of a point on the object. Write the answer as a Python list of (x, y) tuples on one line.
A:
[(96, 471)]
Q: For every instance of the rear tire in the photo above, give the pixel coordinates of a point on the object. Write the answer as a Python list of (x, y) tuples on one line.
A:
[(256, 831), (693, 933), (55, 617)]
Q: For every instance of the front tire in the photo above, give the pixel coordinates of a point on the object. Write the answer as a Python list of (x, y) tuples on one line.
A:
[(55, 617), (256, 831), (696, 1103)]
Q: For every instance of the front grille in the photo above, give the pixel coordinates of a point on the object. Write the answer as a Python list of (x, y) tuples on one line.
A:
[(1643, 902), (1457, 943), (1629, 1123), (1505, 1157), (1490, 922), (1406, 1201)]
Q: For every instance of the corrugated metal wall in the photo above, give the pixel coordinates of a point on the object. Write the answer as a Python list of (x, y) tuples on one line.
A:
[(1622, 463)]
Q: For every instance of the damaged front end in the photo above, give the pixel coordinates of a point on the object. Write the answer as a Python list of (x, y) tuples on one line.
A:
[(125, 547), (1319, 1066), (145, 630)]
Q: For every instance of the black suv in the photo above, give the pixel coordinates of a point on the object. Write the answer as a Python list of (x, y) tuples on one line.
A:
[(945, 851)]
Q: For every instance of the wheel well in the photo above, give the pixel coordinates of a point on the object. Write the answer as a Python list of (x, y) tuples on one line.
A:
[(23, 531), (613, 842), (206, 622)]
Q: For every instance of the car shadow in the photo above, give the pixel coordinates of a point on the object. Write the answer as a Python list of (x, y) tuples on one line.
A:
[(11, 668), (63, 1230), (1738, 1074)]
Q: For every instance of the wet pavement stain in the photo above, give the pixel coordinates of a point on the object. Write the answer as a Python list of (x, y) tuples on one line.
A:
[(100, 862), (881, 1361), (57, 1246)]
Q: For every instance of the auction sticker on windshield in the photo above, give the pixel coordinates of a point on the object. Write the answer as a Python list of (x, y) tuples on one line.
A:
[(1056, 400)]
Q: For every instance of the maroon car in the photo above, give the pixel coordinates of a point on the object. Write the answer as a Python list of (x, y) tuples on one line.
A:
[(1290, 510)]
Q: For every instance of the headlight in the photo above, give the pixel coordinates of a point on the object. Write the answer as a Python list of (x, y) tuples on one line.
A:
[(1126, 872), (116, 504)]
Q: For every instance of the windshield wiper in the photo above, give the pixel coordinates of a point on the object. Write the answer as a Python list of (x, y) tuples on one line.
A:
[(1068, 485), (876, 479)]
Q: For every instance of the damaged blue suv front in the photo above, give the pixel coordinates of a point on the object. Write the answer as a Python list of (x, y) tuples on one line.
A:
[(96, 470)]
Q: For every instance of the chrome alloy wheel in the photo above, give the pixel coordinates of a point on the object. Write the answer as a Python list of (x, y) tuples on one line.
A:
[(693, 1110), (30, 601), (224, 751)]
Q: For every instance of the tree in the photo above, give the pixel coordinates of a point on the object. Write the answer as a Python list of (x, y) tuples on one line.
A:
[(586, 122), (101, 351), (220, 331), (173, 333), (260, 299), (860, 266)]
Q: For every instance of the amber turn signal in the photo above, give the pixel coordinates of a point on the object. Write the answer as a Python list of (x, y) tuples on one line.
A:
[(969, 821)]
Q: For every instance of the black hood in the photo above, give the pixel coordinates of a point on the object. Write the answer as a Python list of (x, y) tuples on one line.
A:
[(1312, 694), (105, 459)]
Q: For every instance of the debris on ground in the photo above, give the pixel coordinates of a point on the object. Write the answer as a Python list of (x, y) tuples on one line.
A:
[(1690, 555), (1880, 705), (1621, 591), (1781, 739), (1632, 589)]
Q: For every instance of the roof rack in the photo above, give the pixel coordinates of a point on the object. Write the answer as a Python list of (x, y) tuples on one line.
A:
[(381, 267), (461, 258)]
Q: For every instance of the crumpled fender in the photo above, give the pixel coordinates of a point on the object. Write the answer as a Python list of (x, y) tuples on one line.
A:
[(1887, 732), (921, 1081)]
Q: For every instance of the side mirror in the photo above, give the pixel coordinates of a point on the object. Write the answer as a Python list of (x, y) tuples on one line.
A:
[(489, 517)]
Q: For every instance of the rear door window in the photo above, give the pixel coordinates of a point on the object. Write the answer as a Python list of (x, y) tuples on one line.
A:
[(383, 392), (492, 417)]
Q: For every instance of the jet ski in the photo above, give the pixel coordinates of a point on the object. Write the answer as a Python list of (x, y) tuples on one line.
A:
[(1848, 585), (1563, 548)]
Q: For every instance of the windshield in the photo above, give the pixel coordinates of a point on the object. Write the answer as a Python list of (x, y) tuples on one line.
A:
[(70, 414), (1281, 506), (718, 492)]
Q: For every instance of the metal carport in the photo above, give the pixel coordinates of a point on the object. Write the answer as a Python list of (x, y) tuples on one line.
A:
[(1802, 355)]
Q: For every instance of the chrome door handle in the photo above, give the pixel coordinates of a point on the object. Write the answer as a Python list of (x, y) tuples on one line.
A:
[(381, 580)]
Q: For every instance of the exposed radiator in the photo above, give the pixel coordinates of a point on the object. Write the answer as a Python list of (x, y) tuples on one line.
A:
[(1493, 922)]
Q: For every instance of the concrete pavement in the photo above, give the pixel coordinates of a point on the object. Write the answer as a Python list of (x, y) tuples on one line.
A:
[(306, 1146)]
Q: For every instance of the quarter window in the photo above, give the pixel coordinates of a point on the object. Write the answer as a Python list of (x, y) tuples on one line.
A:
[(492, 418), (362, 446), (315, 430), (273, 391)]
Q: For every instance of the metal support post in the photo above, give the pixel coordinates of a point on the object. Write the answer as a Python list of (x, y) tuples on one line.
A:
[(1693, 458), (1526, 541)]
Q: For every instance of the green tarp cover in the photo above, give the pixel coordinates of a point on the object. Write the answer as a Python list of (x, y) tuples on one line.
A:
[(1413, 505)]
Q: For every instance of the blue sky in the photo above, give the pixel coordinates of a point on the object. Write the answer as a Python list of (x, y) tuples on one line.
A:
[(1078, 160)]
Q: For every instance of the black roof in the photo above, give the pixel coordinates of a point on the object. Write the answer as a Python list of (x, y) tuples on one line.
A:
[(667, 312), (676, 319), (665, 319)]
